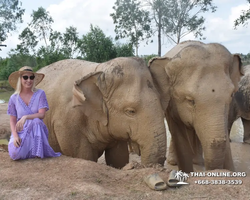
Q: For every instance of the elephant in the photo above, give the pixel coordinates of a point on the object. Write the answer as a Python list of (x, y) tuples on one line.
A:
[(98, 108), (196, 82), (240, 105)]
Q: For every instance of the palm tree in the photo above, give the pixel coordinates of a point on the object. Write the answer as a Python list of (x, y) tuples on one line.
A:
[(185, 176), (178, 175)]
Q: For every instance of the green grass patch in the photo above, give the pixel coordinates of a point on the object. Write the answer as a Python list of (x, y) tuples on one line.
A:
[(5, 90), (4, 84), (4, 141), (6, 95)]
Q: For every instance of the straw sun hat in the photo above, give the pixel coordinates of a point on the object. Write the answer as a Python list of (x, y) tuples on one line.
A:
[(14, 76)]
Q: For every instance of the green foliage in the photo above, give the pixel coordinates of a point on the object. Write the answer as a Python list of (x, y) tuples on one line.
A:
[(148, 57), (158, 9), (70, 41), (124, 50), (41, 23), (3, 64), (243, 18), (96, 47), (14, 63), (131, 21), (10, 14), (245, 59), (182, 17), (47, 56), (28, 42)]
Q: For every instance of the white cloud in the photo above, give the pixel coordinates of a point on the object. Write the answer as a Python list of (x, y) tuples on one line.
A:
[(222, 30), (80, 14)]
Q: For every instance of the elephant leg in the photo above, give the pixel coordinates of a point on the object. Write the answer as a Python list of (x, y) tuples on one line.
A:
[(246, 126), (197, 148), (198, 153), (181, 145), (171, 158), (73, 142), (228, 163), (118, 155)]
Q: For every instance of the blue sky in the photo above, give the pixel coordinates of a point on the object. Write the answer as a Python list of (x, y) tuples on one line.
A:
[(82, 13)]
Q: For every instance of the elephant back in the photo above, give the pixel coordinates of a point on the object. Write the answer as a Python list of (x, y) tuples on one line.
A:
[(178, 48)]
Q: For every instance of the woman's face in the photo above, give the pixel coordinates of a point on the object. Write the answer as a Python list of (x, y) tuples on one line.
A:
[(27, 80)]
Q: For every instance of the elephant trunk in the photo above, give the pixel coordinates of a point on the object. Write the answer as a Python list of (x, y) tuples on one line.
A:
[(214, 153), (215, 142), (153, 145)]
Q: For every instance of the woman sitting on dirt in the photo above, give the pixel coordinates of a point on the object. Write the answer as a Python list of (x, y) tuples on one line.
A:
[(27, 107)]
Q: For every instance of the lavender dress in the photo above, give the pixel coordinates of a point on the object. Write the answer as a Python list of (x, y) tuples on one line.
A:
[(35, 133)]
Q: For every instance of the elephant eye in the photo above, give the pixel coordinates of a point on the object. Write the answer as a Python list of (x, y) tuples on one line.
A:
[(130, 111), (190, 101)]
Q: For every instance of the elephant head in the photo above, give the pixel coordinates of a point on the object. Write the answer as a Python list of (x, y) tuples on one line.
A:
[(122, 104), (196, 82)]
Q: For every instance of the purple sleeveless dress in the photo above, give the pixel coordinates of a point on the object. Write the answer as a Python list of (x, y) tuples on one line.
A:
[(35, 133)]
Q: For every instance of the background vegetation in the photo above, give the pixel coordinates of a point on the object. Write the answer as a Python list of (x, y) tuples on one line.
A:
[(135, 20)]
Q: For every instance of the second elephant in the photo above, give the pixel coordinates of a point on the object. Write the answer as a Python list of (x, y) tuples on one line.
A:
[(240, 106), (196, 82)]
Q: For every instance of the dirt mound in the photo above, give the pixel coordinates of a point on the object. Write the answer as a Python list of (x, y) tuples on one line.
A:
[(72, 178)]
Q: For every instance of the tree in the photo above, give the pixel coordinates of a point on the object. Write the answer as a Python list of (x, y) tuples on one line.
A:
[(3, 69), (158, 9), (28, 42), (182, 17), (15, 61), (148, 57), (131, 22), (124, 50), (70, 41), (243, 17), (96, 47), (48, 55), (10, 14), (56, 39), (41, 23)]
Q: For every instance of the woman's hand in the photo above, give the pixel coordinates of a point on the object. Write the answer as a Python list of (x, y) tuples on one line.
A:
[(17, 141), (20, 123)]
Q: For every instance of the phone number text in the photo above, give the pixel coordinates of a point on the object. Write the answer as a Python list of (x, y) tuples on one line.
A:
[(219, 182)]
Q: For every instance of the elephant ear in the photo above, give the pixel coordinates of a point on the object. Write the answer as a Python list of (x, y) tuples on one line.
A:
[(236, 71), (88, 94), (159, 71)]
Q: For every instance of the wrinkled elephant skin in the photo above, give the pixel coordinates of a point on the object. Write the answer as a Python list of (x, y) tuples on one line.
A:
[(99, 107), (240, 106), (196, 82)]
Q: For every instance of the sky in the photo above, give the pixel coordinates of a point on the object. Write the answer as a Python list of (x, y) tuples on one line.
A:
[(82, 13)]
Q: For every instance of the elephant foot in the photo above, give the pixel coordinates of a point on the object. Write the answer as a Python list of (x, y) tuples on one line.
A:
[(171, 159), (247, 141), (198, 161)]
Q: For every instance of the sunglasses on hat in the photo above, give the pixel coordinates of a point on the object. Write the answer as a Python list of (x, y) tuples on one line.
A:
[(30, 77)]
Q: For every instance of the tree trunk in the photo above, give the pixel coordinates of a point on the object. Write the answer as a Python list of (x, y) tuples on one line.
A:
[(159, 36)]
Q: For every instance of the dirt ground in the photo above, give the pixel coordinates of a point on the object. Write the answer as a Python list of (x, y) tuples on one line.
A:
[(70, 178)]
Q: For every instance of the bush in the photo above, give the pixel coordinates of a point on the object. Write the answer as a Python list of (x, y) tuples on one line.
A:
[(148, 57)]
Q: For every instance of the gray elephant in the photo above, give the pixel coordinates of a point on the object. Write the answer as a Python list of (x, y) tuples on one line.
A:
[(240, 106), (97, 107), (196, 82)]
